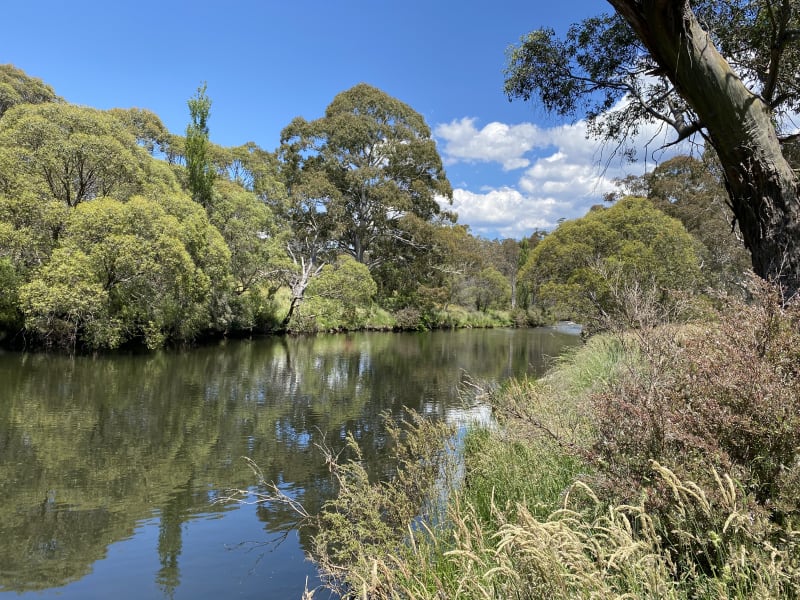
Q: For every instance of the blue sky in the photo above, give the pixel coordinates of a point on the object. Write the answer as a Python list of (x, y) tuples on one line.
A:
[(513, 167)]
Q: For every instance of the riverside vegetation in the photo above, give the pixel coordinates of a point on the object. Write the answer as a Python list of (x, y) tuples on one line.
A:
[(115, 232), (660, 460)]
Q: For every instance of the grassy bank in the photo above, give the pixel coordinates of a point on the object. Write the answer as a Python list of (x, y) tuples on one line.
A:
[(655, 462)]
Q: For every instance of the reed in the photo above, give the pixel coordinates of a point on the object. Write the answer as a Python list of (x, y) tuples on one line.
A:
[(658, 461)]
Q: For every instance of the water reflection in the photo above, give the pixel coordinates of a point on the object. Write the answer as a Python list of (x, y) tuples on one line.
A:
[(130, 451)]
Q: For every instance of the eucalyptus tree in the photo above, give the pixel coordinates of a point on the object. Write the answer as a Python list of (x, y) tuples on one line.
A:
[(362, 180), (251, 167), (691, 190), (456, 257), (382, 167), (311, 233), (724, 70)]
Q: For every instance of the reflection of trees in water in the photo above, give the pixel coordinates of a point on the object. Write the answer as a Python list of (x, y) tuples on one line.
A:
[(174, 513), (104, 442)]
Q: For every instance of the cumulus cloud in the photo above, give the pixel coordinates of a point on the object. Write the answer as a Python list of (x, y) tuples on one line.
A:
[(496, 142), (503, 212), (564, 173)]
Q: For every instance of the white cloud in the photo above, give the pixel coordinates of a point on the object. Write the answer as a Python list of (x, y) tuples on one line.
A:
[(565, 173), (496, 142), (504, 212)]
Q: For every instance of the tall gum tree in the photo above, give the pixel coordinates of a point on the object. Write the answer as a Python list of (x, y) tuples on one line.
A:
[(361, 180), (382, 165), (725, 70)]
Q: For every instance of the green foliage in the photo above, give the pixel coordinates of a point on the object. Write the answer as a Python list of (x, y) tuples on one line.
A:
[(198, 164), (369, 164), (29, 227), (691, 191), (126, 272), (508, 474), (250, 167), (65, 302), (492, 289), (18, 88), (69, 153), (717, 402), (89, 190), (724, 396), (146, 127), (340, 296), (250, 231), (572, 273), (9, 301), (370, 519)]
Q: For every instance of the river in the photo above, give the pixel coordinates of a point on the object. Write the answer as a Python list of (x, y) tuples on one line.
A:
[(112, 467)]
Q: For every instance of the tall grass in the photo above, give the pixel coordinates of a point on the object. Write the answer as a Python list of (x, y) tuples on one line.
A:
[(658, 461)]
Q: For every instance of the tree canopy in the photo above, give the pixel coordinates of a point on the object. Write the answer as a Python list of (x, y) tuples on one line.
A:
[(70, 153), (691, 191), (114, 231), (16, 87), (722, 69), (128, 270), (578, 271), (371, 165)]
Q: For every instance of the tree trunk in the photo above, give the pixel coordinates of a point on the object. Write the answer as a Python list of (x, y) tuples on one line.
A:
[(761, 185), (298, 285)]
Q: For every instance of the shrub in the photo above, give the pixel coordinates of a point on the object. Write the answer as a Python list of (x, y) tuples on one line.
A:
[(369, 519), (721, 398), (574, 271)]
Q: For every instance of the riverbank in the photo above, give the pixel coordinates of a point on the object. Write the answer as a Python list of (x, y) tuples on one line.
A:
[(360, 319), (654, 462)]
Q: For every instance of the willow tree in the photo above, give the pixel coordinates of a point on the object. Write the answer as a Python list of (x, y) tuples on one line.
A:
[(585, 269), (724, 70), (69, 153), (16, 87)]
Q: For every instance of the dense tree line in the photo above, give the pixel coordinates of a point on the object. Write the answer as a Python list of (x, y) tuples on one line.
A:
[(115, 231)]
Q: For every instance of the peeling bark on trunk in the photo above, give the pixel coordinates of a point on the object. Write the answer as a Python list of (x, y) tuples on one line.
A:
[(761, 185)]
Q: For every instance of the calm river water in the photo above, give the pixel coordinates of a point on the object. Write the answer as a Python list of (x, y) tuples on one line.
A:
[(110, 466)]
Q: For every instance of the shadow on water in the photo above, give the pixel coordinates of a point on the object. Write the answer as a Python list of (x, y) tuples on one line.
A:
[(110, 466)]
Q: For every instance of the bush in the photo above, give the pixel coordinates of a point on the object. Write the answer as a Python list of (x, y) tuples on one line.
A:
[(368, 519), (573, 273), (724, 396), (409, 318), (340, 297)]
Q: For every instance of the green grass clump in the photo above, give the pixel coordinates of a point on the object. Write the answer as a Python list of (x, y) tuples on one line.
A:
[(380, 319), (505, 475), (660, 461)]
